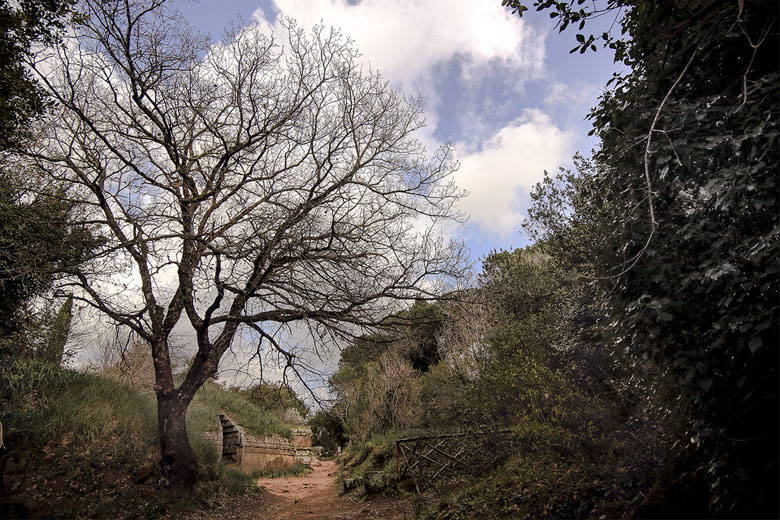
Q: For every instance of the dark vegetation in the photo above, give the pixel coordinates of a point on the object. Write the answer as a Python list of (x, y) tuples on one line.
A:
[(633, 351), (39, 243), (22, 25)]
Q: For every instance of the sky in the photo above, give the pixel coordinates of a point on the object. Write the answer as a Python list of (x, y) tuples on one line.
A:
[(503, 89)]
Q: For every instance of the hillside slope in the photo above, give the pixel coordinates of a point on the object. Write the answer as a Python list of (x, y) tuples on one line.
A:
[(80, 445)]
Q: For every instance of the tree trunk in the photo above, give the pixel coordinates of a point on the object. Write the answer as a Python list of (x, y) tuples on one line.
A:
[(179, 464)]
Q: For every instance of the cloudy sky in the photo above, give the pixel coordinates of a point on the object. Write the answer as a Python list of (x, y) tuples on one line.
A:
[(504, 89)]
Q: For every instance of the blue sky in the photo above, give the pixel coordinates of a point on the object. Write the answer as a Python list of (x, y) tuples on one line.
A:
[(504, 89)]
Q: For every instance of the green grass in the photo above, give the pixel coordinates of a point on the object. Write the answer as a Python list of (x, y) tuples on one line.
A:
[(90, 445), (236, 481), (299, 469), (96, 414), (86, 442), (211, 399)]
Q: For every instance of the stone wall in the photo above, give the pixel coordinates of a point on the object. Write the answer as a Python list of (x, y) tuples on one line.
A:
[(251, 453), (302, 437), (266, 453)]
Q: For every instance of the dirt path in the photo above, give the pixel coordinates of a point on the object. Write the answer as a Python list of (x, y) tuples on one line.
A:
[(313, 497)]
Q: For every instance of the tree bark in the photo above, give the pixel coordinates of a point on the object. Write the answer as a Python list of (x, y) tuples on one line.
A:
[(179, 463)]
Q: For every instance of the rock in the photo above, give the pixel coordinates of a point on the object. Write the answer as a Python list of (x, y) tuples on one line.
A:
[(374, 482), (352, 483)]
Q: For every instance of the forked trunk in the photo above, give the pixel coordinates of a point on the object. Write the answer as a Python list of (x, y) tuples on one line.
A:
[(179, 464)]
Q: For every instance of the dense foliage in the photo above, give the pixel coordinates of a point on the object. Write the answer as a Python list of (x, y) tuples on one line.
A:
[(680, 209), (23, 24), (37, 241), (642, 328), (508, 361), (38, 244)]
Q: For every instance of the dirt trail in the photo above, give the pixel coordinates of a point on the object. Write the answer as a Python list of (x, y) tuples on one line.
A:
[(313, 497)]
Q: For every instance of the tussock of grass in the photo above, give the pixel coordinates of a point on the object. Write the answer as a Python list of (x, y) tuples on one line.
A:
[(237, 482), (299, 469), (211, 399)]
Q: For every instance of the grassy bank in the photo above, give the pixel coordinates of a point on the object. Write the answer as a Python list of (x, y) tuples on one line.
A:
[(212, 399), (80, 445)]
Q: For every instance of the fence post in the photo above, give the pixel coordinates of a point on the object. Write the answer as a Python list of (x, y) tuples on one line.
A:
[(398, 458)]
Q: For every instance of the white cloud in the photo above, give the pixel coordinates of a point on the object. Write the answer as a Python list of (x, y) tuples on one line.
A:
[(407, 39), (576, 97), (507, 166)]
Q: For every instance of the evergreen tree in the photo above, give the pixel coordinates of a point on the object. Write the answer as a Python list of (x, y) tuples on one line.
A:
[(681, 207)]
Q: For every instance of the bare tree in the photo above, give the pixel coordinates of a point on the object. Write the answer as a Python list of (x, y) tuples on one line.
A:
[(239, 188), (462, 341)]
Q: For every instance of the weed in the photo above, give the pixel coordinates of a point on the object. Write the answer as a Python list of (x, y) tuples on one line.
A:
[(298, 469)]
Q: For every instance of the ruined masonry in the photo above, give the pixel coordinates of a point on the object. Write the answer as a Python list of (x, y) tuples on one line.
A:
[(250, 453)]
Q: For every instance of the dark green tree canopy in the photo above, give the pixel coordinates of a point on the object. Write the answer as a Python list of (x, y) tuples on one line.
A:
[(37, 245), (23, 24), (37, 241), (675, 219)]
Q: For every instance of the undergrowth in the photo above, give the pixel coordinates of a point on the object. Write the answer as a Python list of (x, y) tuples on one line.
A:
[(79, 445), (371, 466), (299, 469), (543, 471)]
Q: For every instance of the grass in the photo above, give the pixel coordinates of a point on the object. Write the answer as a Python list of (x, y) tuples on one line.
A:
[(95, 414), (89, 446), (211, 399), (236, 481), (299, 469)]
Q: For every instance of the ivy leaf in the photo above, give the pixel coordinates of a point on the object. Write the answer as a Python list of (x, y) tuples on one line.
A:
[(755, 344)]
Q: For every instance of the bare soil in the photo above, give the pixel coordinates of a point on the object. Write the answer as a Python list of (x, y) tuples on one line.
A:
[(313, 497)]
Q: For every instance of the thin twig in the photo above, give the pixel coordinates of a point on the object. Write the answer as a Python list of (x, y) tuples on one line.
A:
[(648, 183)]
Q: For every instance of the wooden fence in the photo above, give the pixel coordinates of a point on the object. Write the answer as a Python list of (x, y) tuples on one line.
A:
[(428, 457)]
